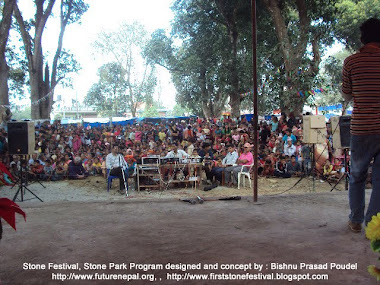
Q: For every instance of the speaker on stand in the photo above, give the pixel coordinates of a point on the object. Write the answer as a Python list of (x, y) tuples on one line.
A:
[(21, 141), (21, 137), (341, 139), (314, 132)]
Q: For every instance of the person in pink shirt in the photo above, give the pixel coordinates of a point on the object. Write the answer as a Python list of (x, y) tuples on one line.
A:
[(235, 136), (138, 136), (77, 143), (246, 158)]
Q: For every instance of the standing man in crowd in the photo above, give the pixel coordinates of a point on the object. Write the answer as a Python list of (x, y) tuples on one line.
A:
[(361, 82), (115, 165)]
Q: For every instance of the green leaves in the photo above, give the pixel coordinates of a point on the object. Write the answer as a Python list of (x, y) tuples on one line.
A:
[(375, 245), (129, 79), (350, 15), (108, 94)]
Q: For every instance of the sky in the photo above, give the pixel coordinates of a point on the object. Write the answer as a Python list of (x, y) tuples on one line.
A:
[(107, 15)]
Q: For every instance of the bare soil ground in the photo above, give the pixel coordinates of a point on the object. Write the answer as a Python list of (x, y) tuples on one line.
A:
[(79, 222)]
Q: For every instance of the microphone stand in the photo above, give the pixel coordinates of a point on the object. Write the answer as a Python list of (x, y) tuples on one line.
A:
[(123, 164)]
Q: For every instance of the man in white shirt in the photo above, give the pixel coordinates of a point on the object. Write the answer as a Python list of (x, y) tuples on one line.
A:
[(174, 153), (115, 165), (289, 148), (177, 153), (227, 163)]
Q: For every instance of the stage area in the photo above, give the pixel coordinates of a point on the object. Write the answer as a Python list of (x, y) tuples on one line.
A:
[(285, 230)]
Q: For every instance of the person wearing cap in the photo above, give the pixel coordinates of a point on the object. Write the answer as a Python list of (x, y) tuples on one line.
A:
[(289, 148), (245, 158)]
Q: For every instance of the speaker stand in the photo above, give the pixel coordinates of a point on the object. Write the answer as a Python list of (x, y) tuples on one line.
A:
[(346, 169), (346, 173), (22, 187)]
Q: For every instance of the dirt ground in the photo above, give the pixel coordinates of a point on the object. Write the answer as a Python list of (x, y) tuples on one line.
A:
[(80, 223)]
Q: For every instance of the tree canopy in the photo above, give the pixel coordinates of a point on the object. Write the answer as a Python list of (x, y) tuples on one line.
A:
[(124, 46), (108, 95), (209, 50)]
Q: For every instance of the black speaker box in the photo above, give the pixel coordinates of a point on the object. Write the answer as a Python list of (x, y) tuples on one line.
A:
[(21, 137), (341, 131), (345, 135)]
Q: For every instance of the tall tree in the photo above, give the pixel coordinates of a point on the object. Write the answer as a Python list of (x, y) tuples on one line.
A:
[(41, 84), (108, 95), (209, 67), (125, 47), (5, 24), (302, 28)]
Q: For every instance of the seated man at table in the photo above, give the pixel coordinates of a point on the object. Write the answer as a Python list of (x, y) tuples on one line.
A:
[(246, 158), (177, 153), (207, 156), (174, 153), (227, 164)]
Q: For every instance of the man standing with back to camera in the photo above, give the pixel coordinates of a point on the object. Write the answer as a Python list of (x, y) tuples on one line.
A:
[(361, 82)]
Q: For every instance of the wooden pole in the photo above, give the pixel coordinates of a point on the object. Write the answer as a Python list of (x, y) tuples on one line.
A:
[(255, 112)]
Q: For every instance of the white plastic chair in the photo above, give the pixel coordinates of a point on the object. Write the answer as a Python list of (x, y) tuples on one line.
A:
[(245, 174)]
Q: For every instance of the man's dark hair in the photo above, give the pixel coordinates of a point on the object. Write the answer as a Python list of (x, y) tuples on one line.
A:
[(370, 31), (205, 145)]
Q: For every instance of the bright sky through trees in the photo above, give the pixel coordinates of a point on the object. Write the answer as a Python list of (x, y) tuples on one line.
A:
[(108, 15)]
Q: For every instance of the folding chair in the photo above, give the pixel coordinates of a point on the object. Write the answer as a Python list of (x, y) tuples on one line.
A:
[(109, 180), (245, 174)]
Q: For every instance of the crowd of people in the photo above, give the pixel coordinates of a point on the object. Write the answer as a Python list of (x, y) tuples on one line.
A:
[(223, 146)]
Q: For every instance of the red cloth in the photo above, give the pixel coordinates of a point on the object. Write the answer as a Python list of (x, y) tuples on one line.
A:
[(8, 209), (5, 170)]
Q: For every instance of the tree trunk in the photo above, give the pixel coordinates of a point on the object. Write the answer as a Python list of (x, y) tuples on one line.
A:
[(207, 112), (34, 56), (235, 95), (293, 54), (4, 74), (230, 19), (235, 105), (46, 101), (4, 33), (34, 96)]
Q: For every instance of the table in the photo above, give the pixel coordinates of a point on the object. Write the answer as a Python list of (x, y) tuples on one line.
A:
[(153, 172)]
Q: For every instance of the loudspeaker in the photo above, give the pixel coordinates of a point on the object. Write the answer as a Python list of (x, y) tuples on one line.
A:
[(314, 129), (340, 127), (21, 137)]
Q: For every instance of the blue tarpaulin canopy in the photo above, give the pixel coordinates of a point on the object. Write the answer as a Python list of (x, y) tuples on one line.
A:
[(99, 122)]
